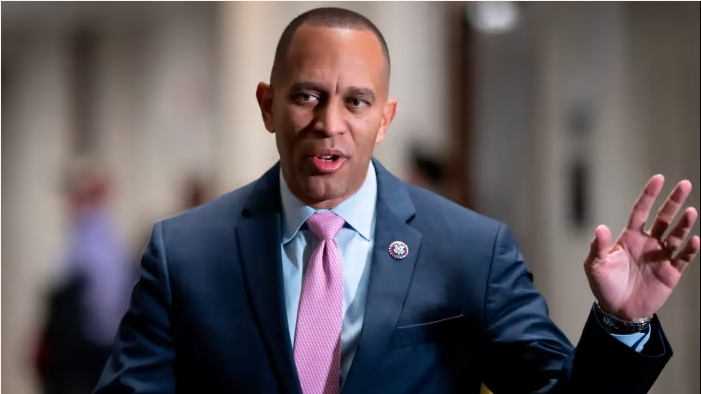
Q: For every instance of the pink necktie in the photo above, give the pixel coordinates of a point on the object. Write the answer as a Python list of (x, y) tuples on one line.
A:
[(317, 348)]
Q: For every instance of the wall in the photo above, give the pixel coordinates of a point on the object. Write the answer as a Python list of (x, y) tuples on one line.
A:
[(665, 96), (156, 106), (153, 97), (636, 69), (35, 126)]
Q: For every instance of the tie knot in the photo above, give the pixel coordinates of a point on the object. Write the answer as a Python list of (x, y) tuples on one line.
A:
[(325, 225)]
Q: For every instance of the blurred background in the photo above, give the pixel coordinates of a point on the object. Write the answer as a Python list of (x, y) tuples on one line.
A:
[(547, 116)]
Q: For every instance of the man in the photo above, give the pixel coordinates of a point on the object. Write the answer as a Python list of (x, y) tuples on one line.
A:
[(329, 275)]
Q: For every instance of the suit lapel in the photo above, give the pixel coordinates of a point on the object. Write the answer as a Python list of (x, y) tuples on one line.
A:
[(389, 278), (259, 242)]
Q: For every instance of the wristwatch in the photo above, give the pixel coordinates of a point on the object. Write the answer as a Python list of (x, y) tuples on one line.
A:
[(619, 326)]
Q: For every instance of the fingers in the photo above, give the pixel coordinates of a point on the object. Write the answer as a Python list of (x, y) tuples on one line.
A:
[(601, 244), (687, 254), (641, 209), (679, 233), (670, 208)]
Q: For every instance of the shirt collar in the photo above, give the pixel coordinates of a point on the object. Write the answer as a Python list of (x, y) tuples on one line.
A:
[(358, 211)]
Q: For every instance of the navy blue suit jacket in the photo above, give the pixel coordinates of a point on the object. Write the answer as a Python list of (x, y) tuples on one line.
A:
[(207, 315)]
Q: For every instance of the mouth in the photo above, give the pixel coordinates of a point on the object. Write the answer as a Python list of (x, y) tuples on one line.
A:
[(328, 161), (328, 157)]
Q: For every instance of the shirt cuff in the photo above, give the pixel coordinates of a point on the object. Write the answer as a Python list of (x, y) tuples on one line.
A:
[(634, 341)]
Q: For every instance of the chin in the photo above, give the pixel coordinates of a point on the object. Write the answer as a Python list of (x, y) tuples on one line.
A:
[(320, 189)]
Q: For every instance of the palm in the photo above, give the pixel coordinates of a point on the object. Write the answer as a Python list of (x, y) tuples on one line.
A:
[(636, 275)]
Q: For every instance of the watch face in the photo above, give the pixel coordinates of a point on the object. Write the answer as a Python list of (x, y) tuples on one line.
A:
[(609, 322), (619, 327), (631, 328)]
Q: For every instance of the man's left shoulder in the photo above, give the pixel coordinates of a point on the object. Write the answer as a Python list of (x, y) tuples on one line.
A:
[(458, 240), (439, 215)]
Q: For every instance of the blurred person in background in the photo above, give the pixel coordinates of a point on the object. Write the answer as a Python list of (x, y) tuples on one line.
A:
[(197, 192), (92, 294), (328, 274), (426, 172)]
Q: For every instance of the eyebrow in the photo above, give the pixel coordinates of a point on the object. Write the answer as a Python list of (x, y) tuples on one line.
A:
[(353, 90), (298, 86), (363, 92)]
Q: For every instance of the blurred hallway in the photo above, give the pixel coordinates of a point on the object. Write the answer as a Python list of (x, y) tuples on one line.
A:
[(563, 111)]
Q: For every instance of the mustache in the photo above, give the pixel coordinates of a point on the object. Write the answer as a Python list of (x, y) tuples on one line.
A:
[(317, 151), (312, 144)]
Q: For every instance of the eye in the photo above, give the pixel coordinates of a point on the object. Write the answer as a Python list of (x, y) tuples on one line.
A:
[(306, 98), (356, 102)]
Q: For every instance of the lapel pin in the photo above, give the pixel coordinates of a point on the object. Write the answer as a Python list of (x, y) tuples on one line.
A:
[(398, 250)]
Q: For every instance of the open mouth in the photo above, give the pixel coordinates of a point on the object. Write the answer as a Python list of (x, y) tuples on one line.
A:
[(329, 158), (327, 163)]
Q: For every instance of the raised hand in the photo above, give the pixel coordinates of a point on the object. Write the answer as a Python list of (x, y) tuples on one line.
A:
[(633, 278)]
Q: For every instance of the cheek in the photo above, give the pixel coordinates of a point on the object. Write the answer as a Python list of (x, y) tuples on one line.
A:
[(288, 122), (364, 132), (299, 117)]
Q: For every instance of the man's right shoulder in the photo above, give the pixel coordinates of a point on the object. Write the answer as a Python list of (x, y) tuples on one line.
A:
[(224, 211)]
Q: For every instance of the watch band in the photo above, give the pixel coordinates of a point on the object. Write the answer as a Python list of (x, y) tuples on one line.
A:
[(619, 326)]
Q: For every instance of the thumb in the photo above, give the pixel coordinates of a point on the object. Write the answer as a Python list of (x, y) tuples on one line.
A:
[(601, 244)]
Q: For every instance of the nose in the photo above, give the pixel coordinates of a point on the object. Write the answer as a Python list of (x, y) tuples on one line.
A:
[(330, 120)]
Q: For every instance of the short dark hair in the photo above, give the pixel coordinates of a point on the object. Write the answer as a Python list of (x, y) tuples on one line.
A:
[(324, 17)]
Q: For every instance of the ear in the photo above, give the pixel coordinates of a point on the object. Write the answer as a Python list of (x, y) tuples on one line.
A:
[(388, 113), (264, 95)]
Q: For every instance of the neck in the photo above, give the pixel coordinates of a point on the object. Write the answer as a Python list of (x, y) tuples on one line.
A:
[(324, 204), (328, 204)]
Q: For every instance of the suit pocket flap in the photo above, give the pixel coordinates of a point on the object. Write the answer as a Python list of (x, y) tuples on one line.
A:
[(433, 331)]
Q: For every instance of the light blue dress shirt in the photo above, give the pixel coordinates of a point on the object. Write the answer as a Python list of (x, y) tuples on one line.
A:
[(355, 241), (635, 341)]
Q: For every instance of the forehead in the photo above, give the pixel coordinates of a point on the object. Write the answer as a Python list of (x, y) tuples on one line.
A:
[(336, 55)]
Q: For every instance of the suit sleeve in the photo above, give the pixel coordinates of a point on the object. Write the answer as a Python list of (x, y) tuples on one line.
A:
[(142, 356), (526, 353)]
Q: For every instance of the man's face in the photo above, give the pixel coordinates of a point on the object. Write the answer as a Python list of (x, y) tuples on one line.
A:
[(328, 110)]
